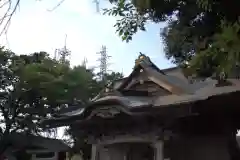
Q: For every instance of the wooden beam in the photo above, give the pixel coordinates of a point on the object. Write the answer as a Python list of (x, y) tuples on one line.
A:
[(168, 87), (159, 154), (164, 81), (94, 152)]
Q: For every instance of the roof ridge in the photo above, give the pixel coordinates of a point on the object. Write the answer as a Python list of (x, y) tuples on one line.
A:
[(144, 62), (143, 59)]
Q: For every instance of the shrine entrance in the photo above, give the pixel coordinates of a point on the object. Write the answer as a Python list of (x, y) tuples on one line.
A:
[(127, 151), (140, 151)]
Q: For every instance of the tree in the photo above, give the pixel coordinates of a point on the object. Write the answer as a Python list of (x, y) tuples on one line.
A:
[(201, 34), (8, 93), (109, 78), (34, 87), (113, 76)]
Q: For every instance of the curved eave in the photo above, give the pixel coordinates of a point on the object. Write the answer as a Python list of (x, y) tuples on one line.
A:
[(210, 95), (125, 105), (225, 101)]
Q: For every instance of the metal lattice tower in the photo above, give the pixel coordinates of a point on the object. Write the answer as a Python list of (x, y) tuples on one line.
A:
[(84, 62), (63, 54), (103, 62)]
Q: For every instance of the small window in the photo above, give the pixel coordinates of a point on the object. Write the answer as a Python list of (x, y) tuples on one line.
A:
[(45, 155)]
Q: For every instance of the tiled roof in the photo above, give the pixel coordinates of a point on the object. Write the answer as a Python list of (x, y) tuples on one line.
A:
[(181, 92)]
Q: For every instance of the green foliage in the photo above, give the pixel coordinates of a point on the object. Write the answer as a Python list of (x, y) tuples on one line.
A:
[(35, 86), (205, 4), (195, 33), (223, 56), (130, 22), (113, 76), (51, 86)]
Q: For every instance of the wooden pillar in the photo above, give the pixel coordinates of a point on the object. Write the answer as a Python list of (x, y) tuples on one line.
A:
[(159, 150), (94, 152)]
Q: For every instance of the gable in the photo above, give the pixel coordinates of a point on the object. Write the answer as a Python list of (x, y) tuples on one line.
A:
[(140, 76), (152, 88), (152, 80), (145, 70)]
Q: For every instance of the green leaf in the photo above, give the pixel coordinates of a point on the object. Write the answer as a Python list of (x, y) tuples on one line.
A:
[(120, 32)]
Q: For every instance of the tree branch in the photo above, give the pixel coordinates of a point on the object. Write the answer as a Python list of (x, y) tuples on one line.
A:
[(55, 7), (7, 15)]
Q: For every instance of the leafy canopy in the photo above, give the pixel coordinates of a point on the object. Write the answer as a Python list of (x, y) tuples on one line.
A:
[(34, 87), (201, 35)]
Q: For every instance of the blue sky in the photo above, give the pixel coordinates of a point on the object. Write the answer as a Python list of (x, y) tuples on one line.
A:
[(34, 28)]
